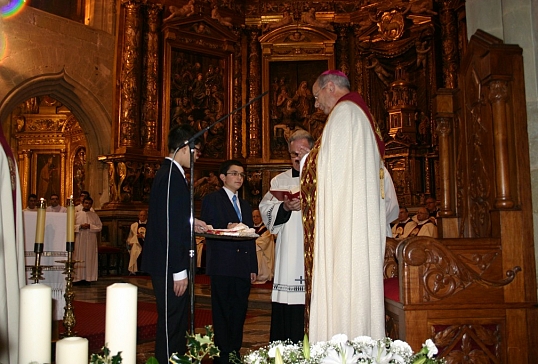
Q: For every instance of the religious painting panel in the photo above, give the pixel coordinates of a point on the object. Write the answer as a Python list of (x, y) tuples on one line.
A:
[(291, 102), (46, 174), (198, 95)]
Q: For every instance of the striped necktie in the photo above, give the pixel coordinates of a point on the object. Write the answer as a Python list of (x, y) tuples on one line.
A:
[(236, 207)]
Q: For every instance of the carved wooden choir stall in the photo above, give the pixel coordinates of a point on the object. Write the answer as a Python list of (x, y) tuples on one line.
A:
[(474, 290)]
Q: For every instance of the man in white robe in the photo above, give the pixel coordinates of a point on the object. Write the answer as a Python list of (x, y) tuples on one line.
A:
[(344, 217), (11, 254), (425, 226), (135, 242), (404, 226), (284, 218), (55, 204), (87, 226)]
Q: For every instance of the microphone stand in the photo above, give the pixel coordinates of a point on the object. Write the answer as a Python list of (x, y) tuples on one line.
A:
[(192, 251)]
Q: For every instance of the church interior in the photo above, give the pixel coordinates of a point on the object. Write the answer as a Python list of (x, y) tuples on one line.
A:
[(90, 88)]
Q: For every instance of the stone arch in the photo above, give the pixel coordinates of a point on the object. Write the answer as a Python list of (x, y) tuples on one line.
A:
[(94, 119)]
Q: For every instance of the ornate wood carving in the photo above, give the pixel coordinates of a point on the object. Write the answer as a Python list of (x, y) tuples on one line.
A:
[(390, 264), (475, 343), (237, 118), (254, 89), (498, 94), (150, 111), (130, 180), (444, 274), (449, 36), (131, 61)]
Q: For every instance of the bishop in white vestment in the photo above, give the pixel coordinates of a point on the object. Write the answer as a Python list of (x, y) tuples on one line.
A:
[(345, 217)]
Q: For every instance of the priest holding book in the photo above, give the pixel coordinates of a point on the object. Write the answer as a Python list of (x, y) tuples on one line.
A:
[(283, 217)]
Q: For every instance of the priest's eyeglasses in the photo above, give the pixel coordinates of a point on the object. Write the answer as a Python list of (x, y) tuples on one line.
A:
[(236, 174), (319, 91)]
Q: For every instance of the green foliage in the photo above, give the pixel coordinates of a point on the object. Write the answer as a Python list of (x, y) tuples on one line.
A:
[(198, 347), (105, 358)]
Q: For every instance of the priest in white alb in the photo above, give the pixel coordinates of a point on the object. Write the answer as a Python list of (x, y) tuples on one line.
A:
[(344, 218), (283, 218), (87, 226)]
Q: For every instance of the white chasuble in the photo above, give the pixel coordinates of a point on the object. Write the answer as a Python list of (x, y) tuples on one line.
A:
[(349, 230), (11, 254)]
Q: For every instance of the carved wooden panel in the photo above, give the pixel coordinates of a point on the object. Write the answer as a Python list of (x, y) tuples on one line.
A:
[(198, 80)]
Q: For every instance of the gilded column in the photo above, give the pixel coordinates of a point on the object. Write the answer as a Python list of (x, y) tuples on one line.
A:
[(131, 59), (237, 79), (498, 93), (359, 63), (255, 145), (148, 128), (24, 172), (343, 49), (63, 165), (449, 40)]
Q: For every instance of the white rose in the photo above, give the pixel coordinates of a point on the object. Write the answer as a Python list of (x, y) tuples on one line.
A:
[(432, 349)]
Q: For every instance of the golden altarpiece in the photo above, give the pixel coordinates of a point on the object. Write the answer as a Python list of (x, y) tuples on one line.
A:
[(51, 149), (196, 61)]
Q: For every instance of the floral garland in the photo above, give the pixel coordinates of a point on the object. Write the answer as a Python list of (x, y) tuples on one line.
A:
[(341, 350)]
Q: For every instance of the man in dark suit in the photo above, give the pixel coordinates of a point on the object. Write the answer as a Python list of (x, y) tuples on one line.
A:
[(168, 235), (232, 264)]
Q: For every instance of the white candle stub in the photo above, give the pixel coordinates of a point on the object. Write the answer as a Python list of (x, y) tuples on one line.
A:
[(72, 350)]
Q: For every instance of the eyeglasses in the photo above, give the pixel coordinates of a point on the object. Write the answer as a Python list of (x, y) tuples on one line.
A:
[(294, 155), (319, 91), (236, 174)]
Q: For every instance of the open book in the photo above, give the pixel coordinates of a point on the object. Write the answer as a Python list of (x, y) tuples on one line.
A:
[(291, 193)]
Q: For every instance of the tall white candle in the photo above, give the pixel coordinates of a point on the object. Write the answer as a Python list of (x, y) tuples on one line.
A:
[(72, 350), (35, 323), (40, 226), (120, 330), (70, 220)]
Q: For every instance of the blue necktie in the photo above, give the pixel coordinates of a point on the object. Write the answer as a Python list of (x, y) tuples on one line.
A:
[(237, 211)]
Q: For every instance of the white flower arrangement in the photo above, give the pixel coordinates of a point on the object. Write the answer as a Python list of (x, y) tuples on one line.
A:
[(341, 350)]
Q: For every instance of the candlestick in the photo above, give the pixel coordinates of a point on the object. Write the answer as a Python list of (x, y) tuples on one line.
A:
[(120, 329), (35, 323), (70, 228), (72, 350), (40, 227)]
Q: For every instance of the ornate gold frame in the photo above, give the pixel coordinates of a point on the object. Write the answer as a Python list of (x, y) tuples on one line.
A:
[(56, 170), (208, 48), (293, 44)]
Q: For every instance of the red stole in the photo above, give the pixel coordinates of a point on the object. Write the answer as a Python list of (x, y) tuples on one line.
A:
[(357, 99)]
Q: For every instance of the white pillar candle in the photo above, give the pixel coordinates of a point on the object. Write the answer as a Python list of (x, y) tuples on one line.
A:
[(72, 350), (35, 323), (120, 331)]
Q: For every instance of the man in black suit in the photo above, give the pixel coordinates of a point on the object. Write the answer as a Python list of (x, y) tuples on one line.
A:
[(232, 264), (168, 235)]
